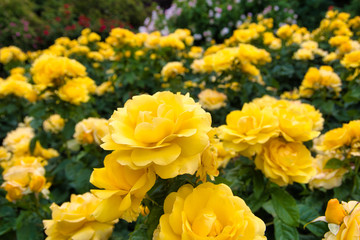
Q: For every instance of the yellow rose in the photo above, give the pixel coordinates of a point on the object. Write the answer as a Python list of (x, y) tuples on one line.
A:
[(285, 163), (220, 61), (326, 178), (333, 139), (91, 130), (75, 220), (19, 88), (295, 125), (351, 60), (212, 99), (285, 31), (303, 54), (165, 131), (195, 213), (249, 128), (50, 70), (94, 37), (335, 212), (18, 140), (55, 123), (74, 92), (172, 69), (123, 190), (347, 215), (24, 177)]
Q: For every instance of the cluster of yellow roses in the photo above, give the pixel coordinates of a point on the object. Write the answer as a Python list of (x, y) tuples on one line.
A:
[(340, 143), (274, 130), (162, 135), (24, 171)]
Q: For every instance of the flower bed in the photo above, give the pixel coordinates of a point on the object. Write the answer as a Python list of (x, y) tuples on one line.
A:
[(146, 136)]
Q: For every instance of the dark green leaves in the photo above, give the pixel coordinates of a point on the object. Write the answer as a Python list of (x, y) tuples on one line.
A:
[(285, 207)]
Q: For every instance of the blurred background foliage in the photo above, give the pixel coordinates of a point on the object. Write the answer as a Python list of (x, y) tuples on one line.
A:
[(35, 24)]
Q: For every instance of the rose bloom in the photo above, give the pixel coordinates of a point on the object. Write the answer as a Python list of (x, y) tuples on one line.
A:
[(24, 177), (123, 190), (314, 79), (75, 220), (326, 178), (249, 128), (349, 218), (295, 121), (285, 163), (208, 211), (17, 141), (18, 88), (285, 31), (172, 69), (48, 70), (55, 123), (91, 130), (220, 61), (165, 131), (303, 54), (211, 99), (333, 139), (351, 60), (77, 90)]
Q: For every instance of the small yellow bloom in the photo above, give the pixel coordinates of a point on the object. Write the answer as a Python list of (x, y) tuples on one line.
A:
[(91, 130), (335, 212), (172, 69), (211, 99), (55, 123)]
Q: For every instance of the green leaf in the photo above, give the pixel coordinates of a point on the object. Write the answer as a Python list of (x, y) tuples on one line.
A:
[(269, 208), (259, 184), (307, 214), (285, 206), (333, 163), (353, 95), (284, 231)]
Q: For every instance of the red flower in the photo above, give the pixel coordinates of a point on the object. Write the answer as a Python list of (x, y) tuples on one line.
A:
[(102, 28), (66, 5), (58, 19), (330, 8), (46, 32)]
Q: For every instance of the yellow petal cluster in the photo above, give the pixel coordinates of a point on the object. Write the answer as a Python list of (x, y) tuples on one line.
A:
[(55, 123), (195, 213), (122, 190), (165, 131), (172, 69), (27, 175), (91, 130), (75, 220), (248, 129), (347, 136), (285, 162), (326, 178), (347, 216), (50, 70), (212, 99), (315, 79), (11, 53), (77, 90), (18, 85)]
